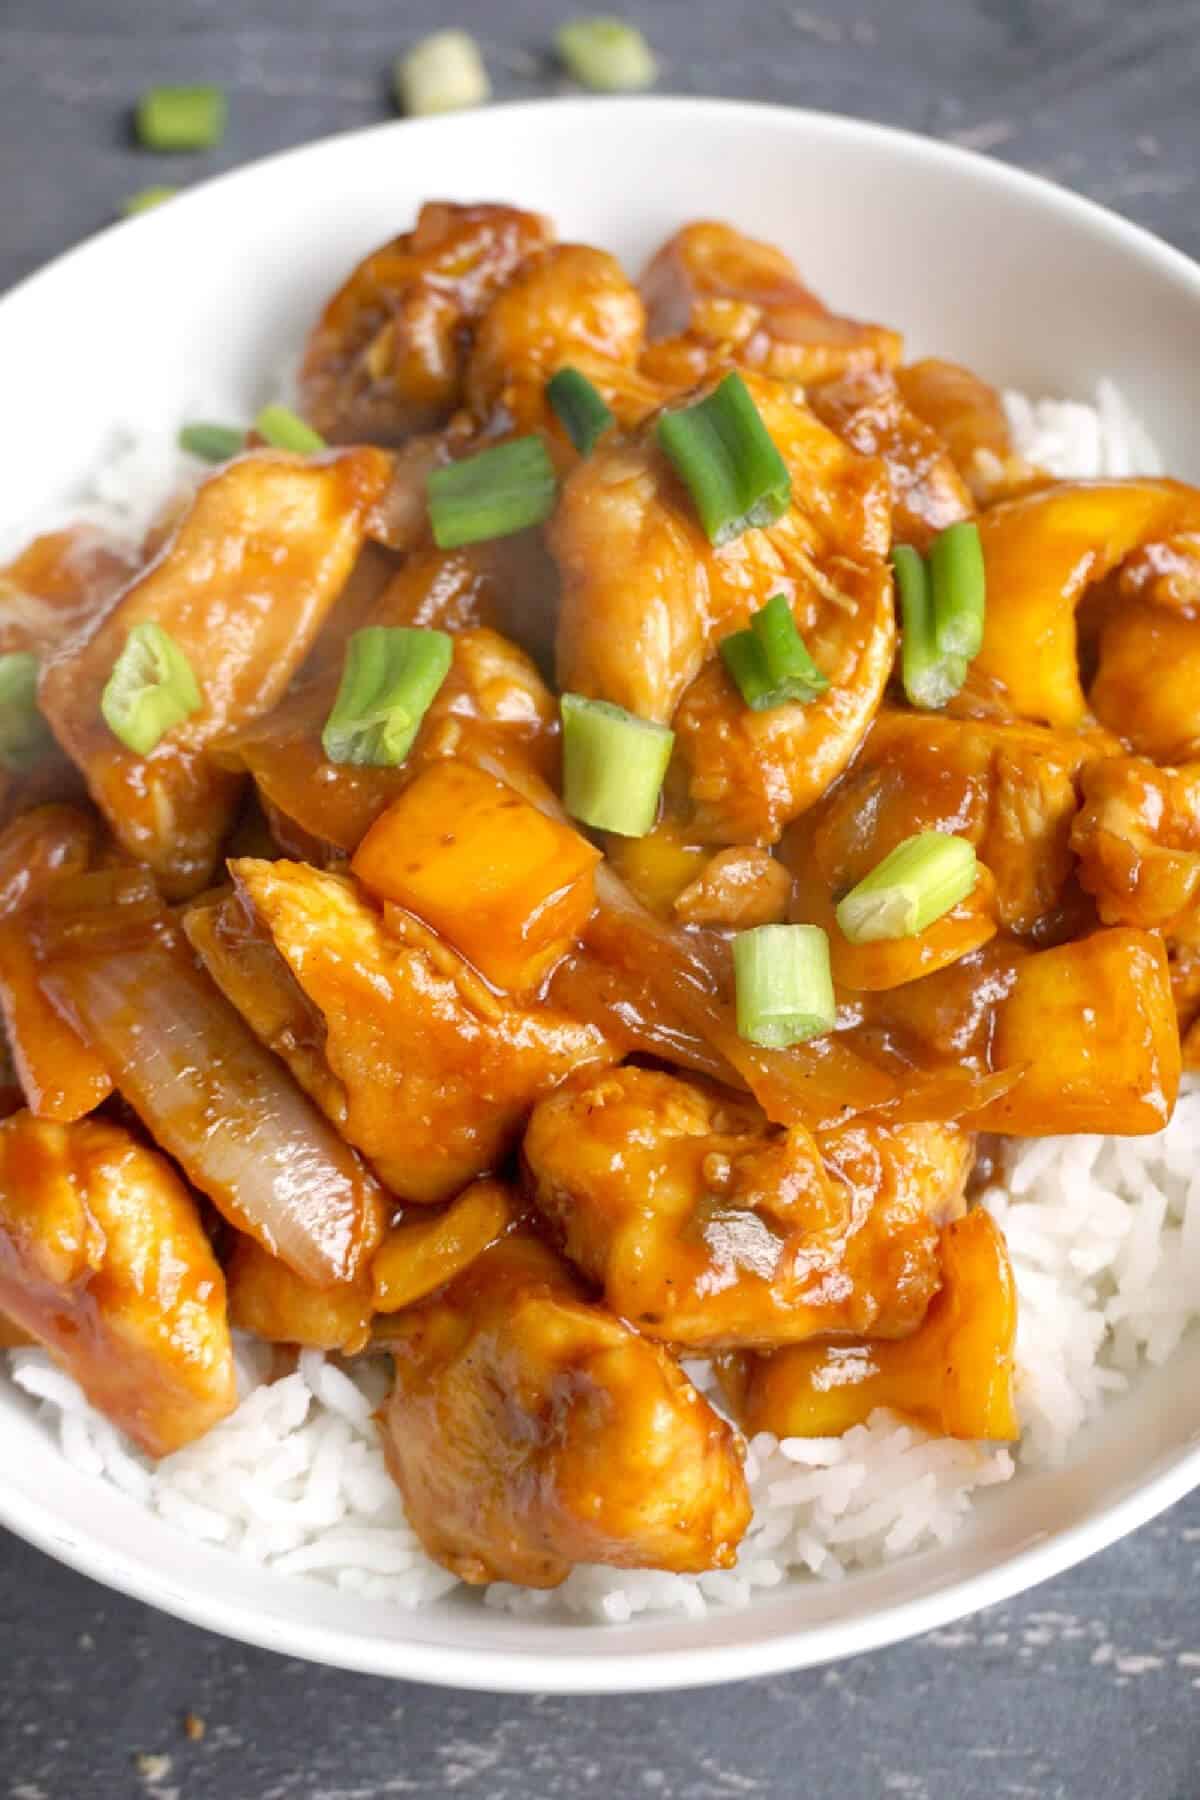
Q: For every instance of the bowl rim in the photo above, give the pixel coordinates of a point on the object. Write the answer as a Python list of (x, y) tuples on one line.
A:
[(529, 1670)]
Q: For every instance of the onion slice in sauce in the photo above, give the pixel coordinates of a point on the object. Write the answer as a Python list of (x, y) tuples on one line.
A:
[(118, 967)]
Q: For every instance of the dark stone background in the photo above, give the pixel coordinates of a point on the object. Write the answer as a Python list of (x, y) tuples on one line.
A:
[(1088, 1687)]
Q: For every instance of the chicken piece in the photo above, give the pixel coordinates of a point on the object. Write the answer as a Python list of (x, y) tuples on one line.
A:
[(423, 1253), (529, 1431), (355, 607), (1147, 681), (239, 953), (563, 301), (738, 888), (271, 1301), (60, 1074), (242, 588), (722, 295), (1042, 553), (1009, 789), (14, 1336), (47, 594), (115, 963), (705, 1230), (969, 417), (387, 356), (868, 413), (435, 1073), (493, 702), (1137, 838), (506, 886), (953, 1376), (1091, 1024), (747, 774), (104, 1260), (646, 596)]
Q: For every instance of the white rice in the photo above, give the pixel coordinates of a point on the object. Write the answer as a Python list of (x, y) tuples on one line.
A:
[(1104, 1235)]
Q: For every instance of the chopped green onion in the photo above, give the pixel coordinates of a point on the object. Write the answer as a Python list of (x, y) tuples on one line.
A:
[(930, 678), (212, 443), (24, 734), (769, 663), (151, 689), (441, 74), (957, 583), (724, 454), (783, 983), (146, 199), (924, 878), (613, 765), (181, 118), (389, 680), (491, 495), (583, 411), (285, 430), (607, 54)]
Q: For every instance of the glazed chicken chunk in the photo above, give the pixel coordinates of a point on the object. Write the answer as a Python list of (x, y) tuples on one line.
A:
[(529, 1430), (242, 587), (705, 1229), (419, 1064), (103, 1259)]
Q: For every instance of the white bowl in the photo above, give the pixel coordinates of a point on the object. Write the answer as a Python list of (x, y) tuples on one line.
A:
[(203, 298)]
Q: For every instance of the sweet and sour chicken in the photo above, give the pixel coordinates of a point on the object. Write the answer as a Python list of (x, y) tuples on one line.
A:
[(546, 866)]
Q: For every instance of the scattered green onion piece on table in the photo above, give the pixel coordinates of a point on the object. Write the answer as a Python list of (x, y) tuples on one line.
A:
[(584, 414), (725, 457), (491, 495), (613, 765), (210, 442), (25, 736), (957, 584), (930, 678), (181, 118), (146, 199), (283, 429), (442, 73), (607, 54), (783, 983), (924, 878), (151, 689), (390, 679)]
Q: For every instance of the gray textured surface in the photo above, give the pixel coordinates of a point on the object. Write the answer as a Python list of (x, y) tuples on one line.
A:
[(1088, 1688)]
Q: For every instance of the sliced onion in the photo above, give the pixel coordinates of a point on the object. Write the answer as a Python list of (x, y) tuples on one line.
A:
[(213, 1097)]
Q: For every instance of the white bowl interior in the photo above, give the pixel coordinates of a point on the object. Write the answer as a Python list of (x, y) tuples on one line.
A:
[(197, 305)]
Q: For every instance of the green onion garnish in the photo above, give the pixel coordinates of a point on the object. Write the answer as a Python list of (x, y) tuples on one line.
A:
[(212, 443), (580, 407), (389, 680), (491, 495), (24, 734), (769, 661), (151, 689), (181, 118), (724, 454), (783, 985), (607, 54), (440, 74), (956, 581), (613, 765), (924, 877), (280, 427), (930, 678), (146, 199)]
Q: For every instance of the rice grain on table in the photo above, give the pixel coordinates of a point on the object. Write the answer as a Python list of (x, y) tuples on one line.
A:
[(1104, 1235)]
